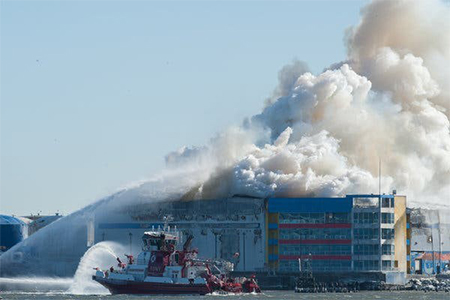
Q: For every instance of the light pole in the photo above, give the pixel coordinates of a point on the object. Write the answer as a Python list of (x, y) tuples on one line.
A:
[(131, 238), (440, 243)]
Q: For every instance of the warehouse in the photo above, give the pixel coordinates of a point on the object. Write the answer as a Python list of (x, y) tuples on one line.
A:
[(339, 235), (362, 233)]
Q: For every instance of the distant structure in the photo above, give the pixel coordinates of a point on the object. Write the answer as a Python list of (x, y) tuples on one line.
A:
[(40, 221), (430, 241), (12, 231)]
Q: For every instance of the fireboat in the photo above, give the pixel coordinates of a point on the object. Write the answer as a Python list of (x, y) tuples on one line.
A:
[(161, 269)]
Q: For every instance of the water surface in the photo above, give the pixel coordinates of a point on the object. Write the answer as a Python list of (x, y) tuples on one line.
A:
[(267, 295)]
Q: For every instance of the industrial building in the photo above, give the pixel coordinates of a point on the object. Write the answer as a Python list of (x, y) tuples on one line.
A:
[(430, 241), (354, 237), (356, 233), (222, 228), (40, 221)]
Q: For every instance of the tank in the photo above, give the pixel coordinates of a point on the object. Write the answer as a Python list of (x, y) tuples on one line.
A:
[(12, 231)]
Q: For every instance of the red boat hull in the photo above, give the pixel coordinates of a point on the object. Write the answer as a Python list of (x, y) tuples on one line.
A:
[(152, 288)]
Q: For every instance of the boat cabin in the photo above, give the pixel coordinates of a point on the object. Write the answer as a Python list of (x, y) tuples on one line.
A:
[(158, 241)]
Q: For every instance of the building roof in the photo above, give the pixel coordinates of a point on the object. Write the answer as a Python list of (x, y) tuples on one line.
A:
[(4, 219), (429, 256)]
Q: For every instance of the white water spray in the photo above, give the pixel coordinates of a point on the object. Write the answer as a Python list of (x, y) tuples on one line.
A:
[(35, 284), (100, 255)]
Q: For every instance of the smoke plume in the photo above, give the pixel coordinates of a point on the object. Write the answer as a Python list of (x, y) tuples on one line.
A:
[(325, 134)]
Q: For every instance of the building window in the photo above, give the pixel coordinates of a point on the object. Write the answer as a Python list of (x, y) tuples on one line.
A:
[(369, 249), (366, 233), (334, 218), (366, 265), (387, 202), (302, 218), (366, 218), (387, 265), (366, 202), (387, 233), (315, 265), (315, 234), (314, 218), (387, 218), (315, 249), (388, 249)]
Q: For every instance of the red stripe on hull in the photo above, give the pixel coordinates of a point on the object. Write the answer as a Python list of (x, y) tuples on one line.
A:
[(318, 242), (322, 225), (316, 257)]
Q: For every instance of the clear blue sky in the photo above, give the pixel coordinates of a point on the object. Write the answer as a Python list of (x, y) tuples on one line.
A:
[(95, 93)]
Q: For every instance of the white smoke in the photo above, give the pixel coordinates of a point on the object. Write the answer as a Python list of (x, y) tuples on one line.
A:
[(324, 135)]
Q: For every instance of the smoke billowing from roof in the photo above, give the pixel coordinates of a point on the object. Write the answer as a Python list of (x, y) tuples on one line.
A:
[(323, 135)]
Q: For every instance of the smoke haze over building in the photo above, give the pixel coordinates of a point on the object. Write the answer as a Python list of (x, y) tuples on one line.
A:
[(325, 134)]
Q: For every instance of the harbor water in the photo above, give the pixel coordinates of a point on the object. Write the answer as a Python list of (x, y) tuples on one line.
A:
[(267, 295)]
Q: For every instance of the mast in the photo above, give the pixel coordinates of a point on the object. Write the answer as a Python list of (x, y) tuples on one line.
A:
[(379, 176), (440, 243)]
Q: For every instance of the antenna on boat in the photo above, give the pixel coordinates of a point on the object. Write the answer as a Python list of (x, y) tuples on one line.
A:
[(167, 219)]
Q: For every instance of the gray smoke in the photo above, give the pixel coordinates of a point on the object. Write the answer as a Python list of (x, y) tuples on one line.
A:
[(325, 134)]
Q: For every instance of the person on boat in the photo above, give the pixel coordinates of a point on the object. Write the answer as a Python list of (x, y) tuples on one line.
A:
[(130, 259)]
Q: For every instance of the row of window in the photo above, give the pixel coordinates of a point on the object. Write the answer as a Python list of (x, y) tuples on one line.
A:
[(369, 249), (315, 265), (373, 202), (388, 249), (373, 233), (315, 249), (365, 249), (334, 234), (315, 234), (387, 265), (387, 218), (314, 218), (365, 202), (387, 202), (366, 233), (335, 265), (332, 218), (366, 265), (366, 218), (387, 233)]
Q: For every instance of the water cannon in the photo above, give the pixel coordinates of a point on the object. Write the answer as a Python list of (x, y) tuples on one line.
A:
[(120, 263), (130, 258)]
